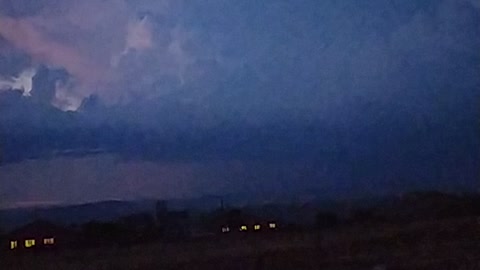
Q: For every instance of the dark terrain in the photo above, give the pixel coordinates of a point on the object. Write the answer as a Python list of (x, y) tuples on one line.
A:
[(446, 244), (417, 231)]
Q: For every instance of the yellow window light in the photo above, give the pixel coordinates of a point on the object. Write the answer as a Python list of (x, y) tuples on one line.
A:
[(29, 243), (272, 225), (13, 244), (243, 228), (256, 227), (49, 241)]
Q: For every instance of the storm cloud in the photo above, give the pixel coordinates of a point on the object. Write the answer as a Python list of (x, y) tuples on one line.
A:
[(360, 96), (100, 43)]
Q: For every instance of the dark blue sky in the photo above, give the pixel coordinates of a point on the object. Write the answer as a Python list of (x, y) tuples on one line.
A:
[(129, 99)]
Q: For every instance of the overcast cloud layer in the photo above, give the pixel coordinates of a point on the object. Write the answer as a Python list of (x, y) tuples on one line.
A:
[(371, 96)]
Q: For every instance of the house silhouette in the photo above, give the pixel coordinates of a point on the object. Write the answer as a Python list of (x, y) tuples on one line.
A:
[(38, 235)]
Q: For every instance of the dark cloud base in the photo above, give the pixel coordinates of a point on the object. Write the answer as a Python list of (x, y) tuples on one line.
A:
[(376, 149)]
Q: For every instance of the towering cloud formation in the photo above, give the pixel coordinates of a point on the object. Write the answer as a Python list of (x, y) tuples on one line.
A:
[(122, 50), (90, 39)]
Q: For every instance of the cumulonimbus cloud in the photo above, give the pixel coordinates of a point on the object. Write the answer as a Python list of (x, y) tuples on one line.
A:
[(90, 39)]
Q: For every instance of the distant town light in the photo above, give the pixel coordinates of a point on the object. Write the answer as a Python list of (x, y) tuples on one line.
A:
[(13, 244), (49, 241), (272, 225), (29, 243), (225, 229), (243, 228), (256, 227)]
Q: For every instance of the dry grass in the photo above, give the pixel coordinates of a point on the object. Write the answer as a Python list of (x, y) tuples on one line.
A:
[(452, 244)]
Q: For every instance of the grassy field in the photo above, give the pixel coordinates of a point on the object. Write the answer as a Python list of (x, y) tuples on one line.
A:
[(448, 244)]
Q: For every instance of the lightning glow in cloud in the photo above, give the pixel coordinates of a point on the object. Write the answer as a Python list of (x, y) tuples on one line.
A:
[(22, 82)]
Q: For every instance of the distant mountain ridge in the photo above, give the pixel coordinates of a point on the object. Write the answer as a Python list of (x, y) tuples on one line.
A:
[(113, 209), (415, 205), (75, 214)]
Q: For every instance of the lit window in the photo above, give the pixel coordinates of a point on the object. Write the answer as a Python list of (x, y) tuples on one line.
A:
[(29, 243), (272, 225), (49, 241), (256, 227), (243, 228), (225, 229), (13, 244)]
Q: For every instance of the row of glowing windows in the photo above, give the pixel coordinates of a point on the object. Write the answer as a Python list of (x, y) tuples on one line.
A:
[(244, 228), (31, 243)]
